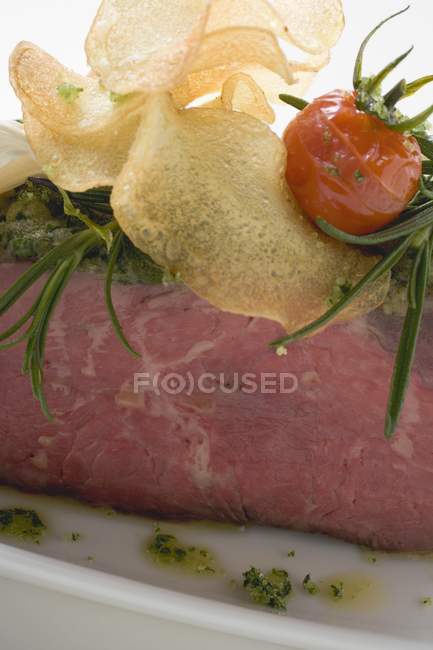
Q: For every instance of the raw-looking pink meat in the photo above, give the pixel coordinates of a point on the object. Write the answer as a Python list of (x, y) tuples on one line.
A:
[(314, 460)]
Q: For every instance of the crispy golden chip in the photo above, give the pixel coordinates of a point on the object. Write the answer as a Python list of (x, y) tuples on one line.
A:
[(203, 193), (38, 80), (241, 93), (78, 163), (312, 25), (145, 45), (227, 52), (271, 84), (313, 62), (244, 13)]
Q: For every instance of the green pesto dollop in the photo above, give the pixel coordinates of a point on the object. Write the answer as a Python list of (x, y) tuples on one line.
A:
[(168, 550), (271, 589), (22, 524), (309, 586), (32, 222)]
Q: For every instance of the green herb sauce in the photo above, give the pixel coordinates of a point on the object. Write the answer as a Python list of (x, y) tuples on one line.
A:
[(22, 524), (309, 586), (168, 550), (271, 589), (352, 591), (32, 222)]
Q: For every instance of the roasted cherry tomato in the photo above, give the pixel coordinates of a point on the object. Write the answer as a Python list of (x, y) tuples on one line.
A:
[(349, 167)]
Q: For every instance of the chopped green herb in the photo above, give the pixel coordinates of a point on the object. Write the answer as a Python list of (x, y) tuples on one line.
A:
[(271, 590), (167, 550), (73, 537), (427, 602), (23, 524), (310, 586), (170, 277), (327, 136), (340, 290), (372, 559), (332, 170), (68, 92), (359, 176), (117, 99), (337, 590), (281, 351), (291, 553)]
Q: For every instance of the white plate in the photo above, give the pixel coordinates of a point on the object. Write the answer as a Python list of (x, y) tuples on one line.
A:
[(390, 615), (387, 614)]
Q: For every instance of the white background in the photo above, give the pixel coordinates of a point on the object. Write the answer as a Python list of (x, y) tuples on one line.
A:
[(60, 27), (33, 619)]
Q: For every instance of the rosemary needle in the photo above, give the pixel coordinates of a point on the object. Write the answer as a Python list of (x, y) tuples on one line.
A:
[(409, 336), (413, 230), (378, 270), (60, 263), (112, 261)]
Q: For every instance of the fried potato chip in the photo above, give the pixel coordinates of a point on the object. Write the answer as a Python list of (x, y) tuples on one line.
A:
[(312, 25), (38, 79), (79, 163), (314, 62), (145, 45), (272, 84), (241, 93), (227, 52), (203, 193), (244, 13)]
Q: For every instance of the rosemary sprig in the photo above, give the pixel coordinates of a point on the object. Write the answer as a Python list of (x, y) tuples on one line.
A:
[(424, 190), (417, 288), (70, 210), (414, 86), (376, 81), (412, 221), (60, 263), (403, 126), (427, 167), (412, 231), (37, 333), (357, 74), (112, 261), (296, 102), (426, 146), (378, 270)]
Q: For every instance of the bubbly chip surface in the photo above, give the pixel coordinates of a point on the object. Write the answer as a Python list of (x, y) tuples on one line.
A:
[(40, 81), (312, 25), (228, 52), (204, 194), (145, 45)]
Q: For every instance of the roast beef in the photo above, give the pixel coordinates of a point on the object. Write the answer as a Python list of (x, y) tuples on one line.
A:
[(308, 455)]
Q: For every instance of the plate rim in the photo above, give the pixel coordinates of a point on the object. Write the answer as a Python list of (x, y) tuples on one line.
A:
[(124, 593)]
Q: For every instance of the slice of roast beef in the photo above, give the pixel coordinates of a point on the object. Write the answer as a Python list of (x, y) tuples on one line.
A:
[(313, 459)]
